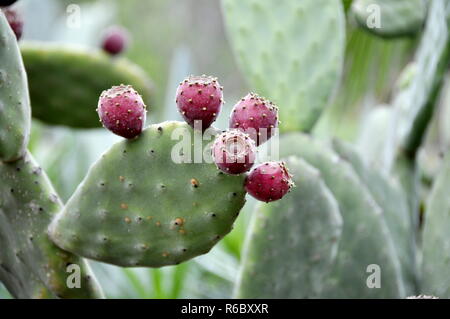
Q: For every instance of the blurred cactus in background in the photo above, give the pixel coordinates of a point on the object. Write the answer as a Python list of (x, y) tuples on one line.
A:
[(361, 89)]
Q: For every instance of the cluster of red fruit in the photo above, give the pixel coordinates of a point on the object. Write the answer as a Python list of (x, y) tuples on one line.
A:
[(253, 121), (199, 99)]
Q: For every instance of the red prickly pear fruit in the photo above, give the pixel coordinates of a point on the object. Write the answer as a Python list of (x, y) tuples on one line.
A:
[(115, 40), (269, 182), (15, 21), (199, 98), (122, 111), (255, 116), (234, 152), (7, 3)]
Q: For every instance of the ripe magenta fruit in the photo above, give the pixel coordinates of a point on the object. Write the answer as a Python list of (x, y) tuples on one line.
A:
[(15, 21), (199, 98), (255, 116), (115, 40), (234, 152), (269, 182), (122, 111)]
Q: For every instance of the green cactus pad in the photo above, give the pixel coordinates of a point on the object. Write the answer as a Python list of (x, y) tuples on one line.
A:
[(137, 207), (292, 244), (414, 105), (15, 115), (365, 238), (31, 266), (375, 141), (292, 52), (436, 239), (396, 18), (395, 207), (66, 82)]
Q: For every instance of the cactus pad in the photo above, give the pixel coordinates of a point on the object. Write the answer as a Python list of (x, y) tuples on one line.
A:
[(414, 105), (396, 18), (395, 207), (365, 238), (137, 207), (14, 101), (65, 82), (292, 244), (375, 142), (31, 266), (436, 241), (287, 54)]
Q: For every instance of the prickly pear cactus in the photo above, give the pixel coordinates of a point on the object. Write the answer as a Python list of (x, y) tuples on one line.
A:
[(375, 138), (292, 244), (406, 77), (31, 266), (390, 18), (287, 55), (65, 82), (365, 239), (395, 207), (137, 207), (436, 242), (414, 105), (15, 115)]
